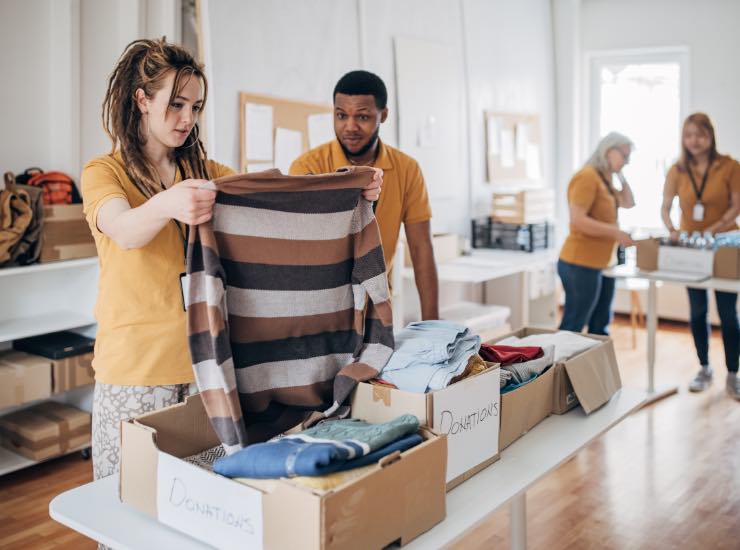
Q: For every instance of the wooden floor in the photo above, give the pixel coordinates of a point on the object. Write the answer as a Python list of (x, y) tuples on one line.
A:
[(667, 477)]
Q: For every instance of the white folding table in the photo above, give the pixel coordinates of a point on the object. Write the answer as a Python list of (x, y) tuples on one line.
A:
[(651, 315), (95, 511)]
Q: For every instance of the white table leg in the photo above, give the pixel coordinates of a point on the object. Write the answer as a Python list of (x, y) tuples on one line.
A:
[(652, 324), (518, 524), (652, 327)]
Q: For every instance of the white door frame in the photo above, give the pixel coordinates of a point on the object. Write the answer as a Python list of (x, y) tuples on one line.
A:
[(594, 59)]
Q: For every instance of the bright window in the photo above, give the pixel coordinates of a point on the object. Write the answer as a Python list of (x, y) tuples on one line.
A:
[(641, 95)]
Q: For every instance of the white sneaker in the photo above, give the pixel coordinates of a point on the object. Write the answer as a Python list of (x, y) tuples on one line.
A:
[(733, 385), (702, 380)]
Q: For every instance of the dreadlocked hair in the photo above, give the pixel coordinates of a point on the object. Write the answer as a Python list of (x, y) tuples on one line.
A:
[(146, 64)]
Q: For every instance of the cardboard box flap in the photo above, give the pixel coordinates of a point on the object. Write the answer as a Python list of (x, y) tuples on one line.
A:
[(183, 429), (594, 375), (138, 486)]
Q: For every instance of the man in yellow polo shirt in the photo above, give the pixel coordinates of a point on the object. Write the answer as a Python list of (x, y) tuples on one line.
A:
[(360, 107)]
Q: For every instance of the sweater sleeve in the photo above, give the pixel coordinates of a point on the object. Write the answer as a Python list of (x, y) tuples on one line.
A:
[(373, 313), (208, 338)]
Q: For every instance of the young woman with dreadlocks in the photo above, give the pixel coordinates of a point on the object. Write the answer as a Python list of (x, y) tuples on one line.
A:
[(139, 201)]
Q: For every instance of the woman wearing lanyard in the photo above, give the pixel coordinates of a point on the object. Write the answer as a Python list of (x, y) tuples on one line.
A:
[(708, 189), (594, 234)]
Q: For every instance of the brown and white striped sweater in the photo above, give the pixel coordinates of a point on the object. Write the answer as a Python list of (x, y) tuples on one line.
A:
[(287, 299)]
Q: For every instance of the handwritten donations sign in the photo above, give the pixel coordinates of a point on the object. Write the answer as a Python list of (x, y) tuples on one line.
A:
[(208, 506), (469, 414)]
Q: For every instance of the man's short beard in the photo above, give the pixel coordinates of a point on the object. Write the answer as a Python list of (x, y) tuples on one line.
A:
[(365, 148)]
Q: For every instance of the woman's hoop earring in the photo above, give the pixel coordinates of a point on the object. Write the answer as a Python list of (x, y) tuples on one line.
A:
[(194, 140)]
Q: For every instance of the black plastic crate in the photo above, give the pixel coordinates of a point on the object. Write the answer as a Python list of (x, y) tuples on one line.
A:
[(526, 237)]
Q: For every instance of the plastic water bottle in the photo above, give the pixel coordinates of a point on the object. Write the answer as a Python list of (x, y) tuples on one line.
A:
[(683, 238), (694, 239), (708, 240)]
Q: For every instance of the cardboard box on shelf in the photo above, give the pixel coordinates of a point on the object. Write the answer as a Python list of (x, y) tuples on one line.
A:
[(467, 412), (23, 378), (72, 372), (396, 500), (446, 248), (589, 378), (724, 263), (65, 234), (45, 430)]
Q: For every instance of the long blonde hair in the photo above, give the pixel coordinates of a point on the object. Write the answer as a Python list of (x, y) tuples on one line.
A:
[(146, 64), (611, 140)]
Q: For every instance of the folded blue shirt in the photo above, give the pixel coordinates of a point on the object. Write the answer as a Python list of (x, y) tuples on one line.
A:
[(290, 457), (428, 354)]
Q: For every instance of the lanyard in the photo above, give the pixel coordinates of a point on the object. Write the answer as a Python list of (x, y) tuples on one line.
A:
[(183, 228), (697, 191)]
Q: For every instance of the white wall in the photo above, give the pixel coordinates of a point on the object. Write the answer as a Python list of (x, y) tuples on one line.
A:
[(504, 50), (26, 92), (290, 48), (709, 28), (510, 62)]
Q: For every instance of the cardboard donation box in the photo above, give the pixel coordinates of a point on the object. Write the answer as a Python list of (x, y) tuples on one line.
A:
[(446, 248), (467, 412), (23, 378), (65, 234), (45, 430), (72, 372), (525, 407), (589, 378), (723, 263), (396, 500)]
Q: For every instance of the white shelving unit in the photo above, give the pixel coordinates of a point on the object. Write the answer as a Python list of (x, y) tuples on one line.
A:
[(43, 298)]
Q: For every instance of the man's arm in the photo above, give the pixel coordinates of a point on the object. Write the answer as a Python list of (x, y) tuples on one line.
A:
[(419, 238)]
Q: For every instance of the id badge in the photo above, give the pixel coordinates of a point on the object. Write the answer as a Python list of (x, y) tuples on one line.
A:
[(698, 212), (184, 284)]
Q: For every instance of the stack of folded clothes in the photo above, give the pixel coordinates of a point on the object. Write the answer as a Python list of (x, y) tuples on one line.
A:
[(519, 364), (430, 355), (326, 449), (524, 359), (567, 344)]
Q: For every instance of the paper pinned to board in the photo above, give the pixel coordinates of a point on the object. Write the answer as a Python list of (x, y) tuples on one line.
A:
[(320, 129), (532, 159), (507, 148), (258, 136), (288, 147), (225, 513), (468, 413), (493, 136), (522, 140)]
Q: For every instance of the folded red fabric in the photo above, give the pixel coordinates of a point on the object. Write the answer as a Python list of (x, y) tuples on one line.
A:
[(509, 355)]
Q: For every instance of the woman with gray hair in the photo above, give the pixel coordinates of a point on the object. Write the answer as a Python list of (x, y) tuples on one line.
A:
[(594, 233)]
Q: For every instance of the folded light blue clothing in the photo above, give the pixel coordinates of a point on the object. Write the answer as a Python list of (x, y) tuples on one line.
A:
[(323, 449), (291, 457), (429, 354)]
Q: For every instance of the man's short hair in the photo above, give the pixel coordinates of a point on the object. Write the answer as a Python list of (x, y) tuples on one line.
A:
[(363, 83)]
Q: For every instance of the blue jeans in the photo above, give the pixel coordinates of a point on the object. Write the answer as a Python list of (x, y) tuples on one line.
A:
[(727, 309), (588, 298)]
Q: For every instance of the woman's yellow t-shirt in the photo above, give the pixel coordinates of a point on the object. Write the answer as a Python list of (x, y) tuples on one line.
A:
[(142, 336), (723, 180), (589, 191)]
